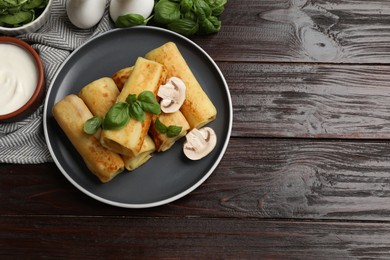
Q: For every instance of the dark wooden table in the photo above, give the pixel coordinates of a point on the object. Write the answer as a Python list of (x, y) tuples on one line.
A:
[(307, 171)]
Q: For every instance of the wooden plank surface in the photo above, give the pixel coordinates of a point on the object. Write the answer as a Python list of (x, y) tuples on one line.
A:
[(306, 174), (280, 179), (189, 238), (336, 31), (309, 101)]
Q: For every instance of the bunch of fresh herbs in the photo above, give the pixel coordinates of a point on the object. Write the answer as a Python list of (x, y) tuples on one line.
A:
[(15, 13), (186, 17)]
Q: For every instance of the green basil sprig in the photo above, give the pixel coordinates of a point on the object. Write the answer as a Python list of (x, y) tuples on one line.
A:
[(120, 113), (189, 17), (186, 17), (129, 20), (148, 102), (117, 117), (134, 107), (166, 11), (92, 125), (184, 26), (170, 131)]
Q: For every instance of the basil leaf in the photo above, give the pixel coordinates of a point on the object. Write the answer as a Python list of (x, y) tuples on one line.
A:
[(186, 27), (209, 25), (33, 4), (217, 6), (160, 127), (136, 111), (18, 18), (9, 3), (117, 117), (129, 20), (147, 96), (202, 9), (11, 10), (166, 12), (151, 108), (186, 5), (173, 130), (12, 2), (134, 107), (191, 16), (14, 13), (148, 102), (92, 125), (170, 131), (131, 98), (22, 2)]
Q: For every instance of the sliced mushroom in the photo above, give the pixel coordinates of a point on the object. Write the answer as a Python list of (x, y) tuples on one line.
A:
[(199, 143), (173, 94)]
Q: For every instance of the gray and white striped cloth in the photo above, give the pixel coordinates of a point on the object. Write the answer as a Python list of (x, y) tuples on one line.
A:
[(24, 142)]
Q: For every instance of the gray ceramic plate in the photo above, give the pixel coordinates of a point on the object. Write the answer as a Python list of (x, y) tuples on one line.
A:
[(166, 176)]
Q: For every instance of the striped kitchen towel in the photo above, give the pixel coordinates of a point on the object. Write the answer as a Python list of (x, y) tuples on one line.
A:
[(24, 142)]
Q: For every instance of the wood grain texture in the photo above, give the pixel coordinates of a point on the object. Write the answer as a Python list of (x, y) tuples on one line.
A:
[(309, 101), (280, 179), (346, 31), (189, 238), (300, 179), (307, 171)]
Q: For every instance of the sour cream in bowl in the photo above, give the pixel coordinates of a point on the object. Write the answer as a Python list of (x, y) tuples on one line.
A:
[(21, 79)]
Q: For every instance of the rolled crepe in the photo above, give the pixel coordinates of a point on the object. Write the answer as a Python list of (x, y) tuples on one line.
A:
[(120, 77), (128, 140), (99, 96), (162, 141), (197, 107), (71, 113), (147, 149)]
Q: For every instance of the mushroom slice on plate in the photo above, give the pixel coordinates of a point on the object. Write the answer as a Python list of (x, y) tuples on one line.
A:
[(172, 95), (199, 143)]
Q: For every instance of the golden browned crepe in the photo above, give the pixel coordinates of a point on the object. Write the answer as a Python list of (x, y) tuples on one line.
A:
[(71, 113), (99, 96), (162, 141), (128, 140), (147, 149), (197, 108), (121, 76)]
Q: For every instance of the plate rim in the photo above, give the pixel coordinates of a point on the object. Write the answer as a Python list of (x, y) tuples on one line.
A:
[(159, 202)]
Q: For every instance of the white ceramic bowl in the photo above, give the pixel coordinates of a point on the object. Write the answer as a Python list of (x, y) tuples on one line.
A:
[(32, 26)]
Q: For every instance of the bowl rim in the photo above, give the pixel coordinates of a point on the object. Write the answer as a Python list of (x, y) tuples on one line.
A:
[(24, 26), (39, 66)]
